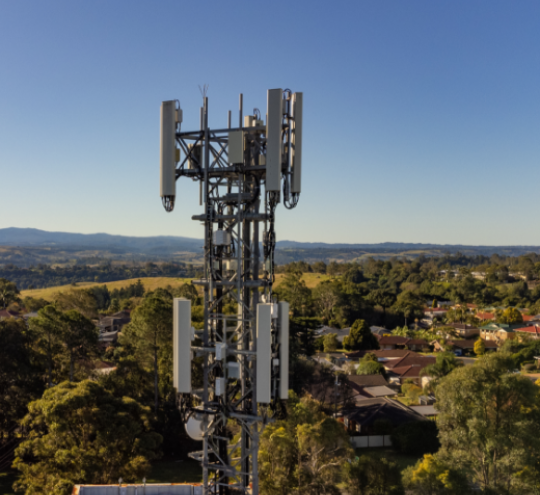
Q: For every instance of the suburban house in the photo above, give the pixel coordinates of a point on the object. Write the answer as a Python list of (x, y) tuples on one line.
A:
[(370, 421), (464, 330), (340, 332), (380, 331), (484, 315), (431, 313), (462, 347), (532, 331), (383, 355), (498, 331), (428, 411), (393, 342), (110, 326), (369, 386), (408, 367)]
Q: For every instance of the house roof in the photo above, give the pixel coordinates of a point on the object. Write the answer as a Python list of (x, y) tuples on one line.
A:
[(382, 354), (462, 326), (529, 329), (360, 382), (382, 391), (483, 315), (393, 340), (425, 410), (410, 360), (469, 344), (367, 411), (417, 342), (528, 317)]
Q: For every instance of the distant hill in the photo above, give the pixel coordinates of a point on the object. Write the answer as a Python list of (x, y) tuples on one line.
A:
[(33, 237), (24, 247)]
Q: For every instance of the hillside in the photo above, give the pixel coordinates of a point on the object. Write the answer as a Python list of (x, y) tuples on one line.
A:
[(26, 247), (150, 283)]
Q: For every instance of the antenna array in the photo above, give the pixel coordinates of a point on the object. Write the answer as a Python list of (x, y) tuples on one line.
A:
[(244, 356)]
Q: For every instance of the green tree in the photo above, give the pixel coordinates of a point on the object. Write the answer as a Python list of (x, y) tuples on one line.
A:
[(368, 475), (479, 347), (303, 453), (330, 342), (150, 333), (188, 291), (20, 376), (488, 421), (383, 298), (360, 338), (8, 292), (369, 365), (431, 476), (81, 300), (326, 296), (511, 315), (47, 329), (409, 305), (294, 290), (80, 433), (445, 363), (80, 337)]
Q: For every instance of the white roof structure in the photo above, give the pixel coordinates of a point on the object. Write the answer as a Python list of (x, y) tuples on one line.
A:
[(425, 410), (138, 489)]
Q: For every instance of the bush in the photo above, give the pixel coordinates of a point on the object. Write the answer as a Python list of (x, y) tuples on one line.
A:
[(528, 366), (416, 438)]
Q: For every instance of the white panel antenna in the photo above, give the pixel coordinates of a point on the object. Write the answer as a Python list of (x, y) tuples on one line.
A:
[(182, 345), (169, 155), (283, 350), (274, 140), (296, 140), (264, 352)]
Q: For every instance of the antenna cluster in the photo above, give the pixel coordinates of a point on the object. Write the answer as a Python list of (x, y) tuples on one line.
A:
[(243, 173)]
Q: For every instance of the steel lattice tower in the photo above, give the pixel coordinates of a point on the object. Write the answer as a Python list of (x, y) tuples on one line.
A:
[(244, 355)]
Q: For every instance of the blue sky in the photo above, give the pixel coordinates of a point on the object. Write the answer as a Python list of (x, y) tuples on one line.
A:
[(422, 118)]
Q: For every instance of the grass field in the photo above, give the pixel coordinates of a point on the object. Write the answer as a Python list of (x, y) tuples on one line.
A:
[(150, 283), (311, 279)]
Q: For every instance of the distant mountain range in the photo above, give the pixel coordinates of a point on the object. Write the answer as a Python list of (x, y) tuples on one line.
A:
[(31, 246)]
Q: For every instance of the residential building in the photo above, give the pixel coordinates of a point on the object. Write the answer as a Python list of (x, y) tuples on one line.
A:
[(393, 342), (464, 330), (462, 347), (408, 367), (498, 332), (532, 331), (370, 421)]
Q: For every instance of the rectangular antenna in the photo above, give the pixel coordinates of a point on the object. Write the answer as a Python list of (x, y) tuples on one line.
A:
[(264, 352), (168, 149), (273, 140), (236, 147), (283, 350), (296, 180), (182, 345)]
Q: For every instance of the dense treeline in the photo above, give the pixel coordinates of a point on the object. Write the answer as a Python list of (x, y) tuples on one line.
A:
[(42, 276), (393, 293)]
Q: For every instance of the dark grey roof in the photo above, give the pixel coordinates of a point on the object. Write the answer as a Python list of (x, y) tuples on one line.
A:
[(367, 411)]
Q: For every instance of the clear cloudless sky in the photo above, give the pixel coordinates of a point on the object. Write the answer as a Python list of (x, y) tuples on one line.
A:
[(422, 117)]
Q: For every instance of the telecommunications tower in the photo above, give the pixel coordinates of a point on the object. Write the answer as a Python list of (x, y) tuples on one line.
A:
[(241, 359)]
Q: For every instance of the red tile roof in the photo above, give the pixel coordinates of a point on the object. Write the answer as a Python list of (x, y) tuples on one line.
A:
[(528, 317), (531, 329), (469, 344), (485, 316)]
